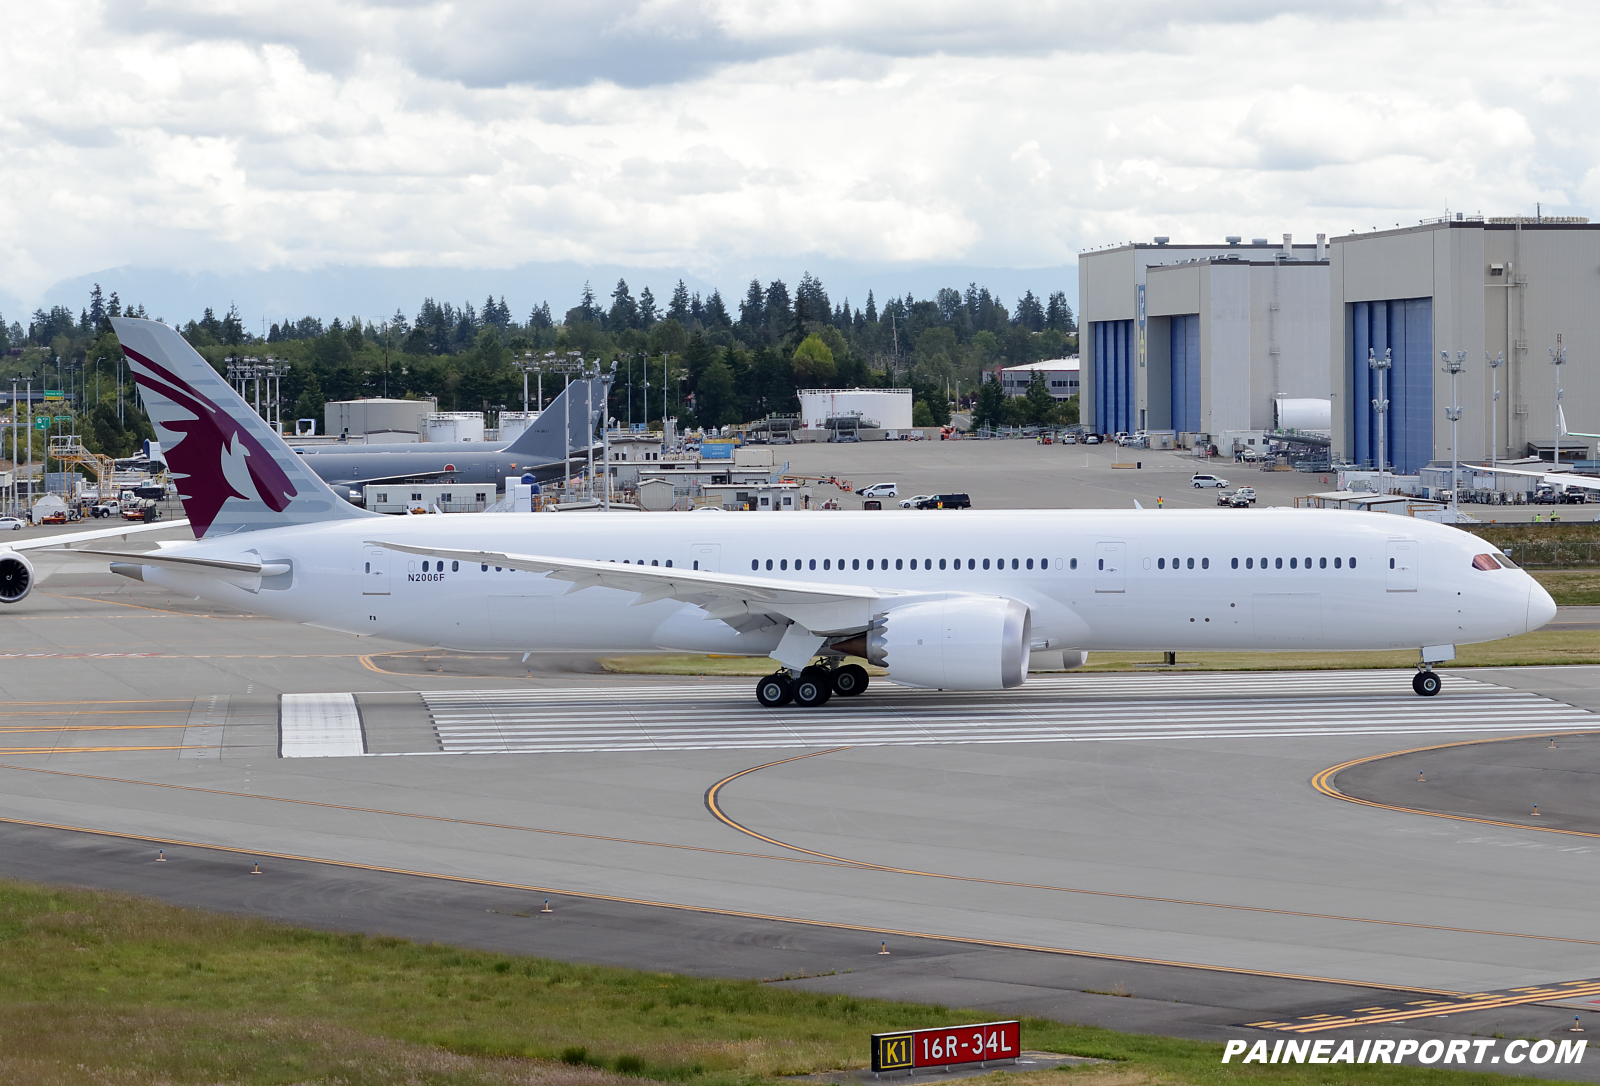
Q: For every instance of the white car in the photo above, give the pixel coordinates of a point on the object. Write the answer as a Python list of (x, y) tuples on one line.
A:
[(880, 490), (911, 502), (1092, 439), (1207, 480), (10, 524)]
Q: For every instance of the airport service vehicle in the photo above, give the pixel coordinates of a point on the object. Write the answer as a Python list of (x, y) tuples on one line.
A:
[(539, 450), (880, 490), (1199, 481), (960, 603), (945, 501), (1248, 493), (10, 524), (911, 502)]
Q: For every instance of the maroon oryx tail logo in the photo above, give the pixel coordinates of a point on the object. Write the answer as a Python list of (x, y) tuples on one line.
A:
[(216, 456)]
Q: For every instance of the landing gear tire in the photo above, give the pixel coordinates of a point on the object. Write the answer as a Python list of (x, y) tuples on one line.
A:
[(775, 690), (1426, 683), (850, 680), (813, 688)]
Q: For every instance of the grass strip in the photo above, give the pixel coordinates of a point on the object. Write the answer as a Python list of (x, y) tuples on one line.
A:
[(1540, 647), (111, 988)]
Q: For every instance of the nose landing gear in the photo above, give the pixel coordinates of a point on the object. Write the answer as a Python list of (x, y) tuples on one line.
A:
[(1426, 682)]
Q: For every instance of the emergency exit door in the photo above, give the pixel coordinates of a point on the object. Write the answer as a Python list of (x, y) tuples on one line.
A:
[(1109, 562)]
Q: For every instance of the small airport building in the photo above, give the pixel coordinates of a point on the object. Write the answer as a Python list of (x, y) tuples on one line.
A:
[(1201, 338), (1060, 377)]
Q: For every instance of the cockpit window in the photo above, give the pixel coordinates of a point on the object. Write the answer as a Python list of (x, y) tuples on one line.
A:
[(1484, 561), (1499, 556)]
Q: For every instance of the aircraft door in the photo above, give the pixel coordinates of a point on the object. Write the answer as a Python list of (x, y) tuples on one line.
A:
[(1403, 561), (706, 557), (374, 571), (1109, 560)]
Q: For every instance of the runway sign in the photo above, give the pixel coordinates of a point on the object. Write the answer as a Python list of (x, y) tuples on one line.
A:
[(910, 1050)]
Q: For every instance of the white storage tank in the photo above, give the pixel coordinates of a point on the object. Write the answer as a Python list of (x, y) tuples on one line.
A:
[(513, 423), (455, 426)]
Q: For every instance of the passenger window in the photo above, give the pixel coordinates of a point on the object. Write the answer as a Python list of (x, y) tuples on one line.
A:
[(669, 564), (972, 563), (1352, 563), (1014, 563), (1191, 563), (827, 563), (1161, 563), (1322, 563), (1292, 562), (755, 563), (855, 563), (1235, 563), (1308, 563), (1205, 563), (455, 567), (769, 563), (899, 563), (985, 563), (424, 565), (869, 563), (1277, 563), (1391, 563), (1102, 563), (1030, 563), (484, 568), (941, 563), (654, 562), (369, 567), (813, 564), (1337, 562), (783, 563), (1074, 563)]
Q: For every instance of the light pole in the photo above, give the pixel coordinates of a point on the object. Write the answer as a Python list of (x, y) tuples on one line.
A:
[(1494, 404), (1380, 365), (1558, 357), (1453, 367)]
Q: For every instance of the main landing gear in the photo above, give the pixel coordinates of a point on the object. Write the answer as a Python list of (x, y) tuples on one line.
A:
[(813, 686), (1426, 682)]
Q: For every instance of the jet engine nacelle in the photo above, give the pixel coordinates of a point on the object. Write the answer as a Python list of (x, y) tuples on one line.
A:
[(963, 643), (16, 577)]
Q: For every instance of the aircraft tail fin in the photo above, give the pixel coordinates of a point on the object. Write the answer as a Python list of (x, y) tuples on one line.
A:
[(542, 439), (233, 473)]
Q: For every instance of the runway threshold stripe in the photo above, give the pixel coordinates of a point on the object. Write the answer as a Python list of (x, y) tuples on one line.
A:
[(704, 910), (1371, 1016)]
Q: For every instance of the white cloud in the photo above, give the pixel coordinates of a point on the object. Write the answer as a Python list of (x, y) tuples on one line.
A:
[(717, 135)]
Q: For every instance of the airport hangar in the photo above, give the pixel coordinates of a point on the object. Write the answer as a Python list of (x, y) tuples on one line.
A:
[(1205, 337)]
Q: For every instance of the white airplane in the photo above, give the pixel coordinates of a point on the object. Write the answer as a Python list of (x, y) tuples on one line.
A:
[(954, 601)]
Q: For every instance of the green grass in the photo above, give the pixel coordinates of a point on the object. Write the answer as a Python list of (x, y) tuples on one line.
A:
[(109, 988), (1571, 587)]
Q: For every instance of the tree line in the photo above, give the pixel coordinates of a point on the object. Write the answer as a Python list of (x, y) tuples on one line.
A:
[(692, 356)]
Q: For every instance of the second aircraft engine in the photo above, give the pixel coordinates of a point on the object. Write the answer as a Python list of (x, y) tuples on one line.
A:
[(16, 577), (961, 643)]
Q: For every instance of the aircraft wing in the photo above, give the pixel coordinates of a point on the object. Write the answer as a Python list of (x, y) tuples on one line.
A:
[(822, 608), (70, 539), (1554, 478)]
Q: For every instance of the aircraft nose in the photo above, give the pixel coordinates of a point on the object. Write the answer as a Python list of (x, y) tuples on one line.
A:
[(1541, 608)]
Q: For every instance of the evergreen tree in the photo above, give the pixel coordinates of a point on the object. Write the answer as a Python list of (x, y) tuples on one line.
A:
[(697, 311), (1058, 314), (779, 315), (647, 309), (1030, 314), (678, 309), (97, 307), (624, 310), (232, 329), (872, 309), (752, 311), (114, 309), (716, 312), (540, 317)]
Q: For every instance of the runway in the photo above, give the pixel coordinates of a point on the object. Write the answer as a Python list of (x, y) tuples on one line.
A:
[(1019, 851)]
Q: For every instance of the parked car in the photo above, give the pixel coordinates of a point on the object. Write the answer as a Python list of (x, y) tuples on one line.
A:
[(880, 490), (870, 503), (1069, 439), (1225, 497), (1246, 492), (1207, 480), (10, 524), (1092, 439), (912, 502), (945, 501)]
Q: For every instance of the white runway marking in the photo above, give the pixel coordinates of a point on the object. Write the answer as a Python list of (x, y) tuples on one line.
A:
[(1064, 709), (320, 726)]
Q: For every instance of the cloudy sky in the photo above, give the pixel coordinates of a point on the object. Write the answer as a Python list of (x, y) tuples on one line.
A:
[(272, 141)]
